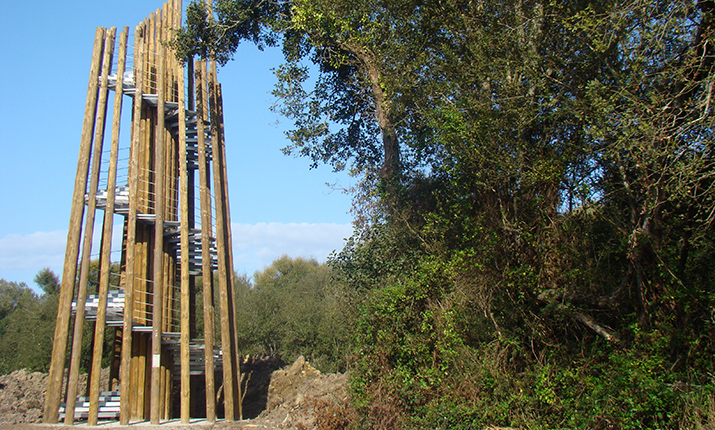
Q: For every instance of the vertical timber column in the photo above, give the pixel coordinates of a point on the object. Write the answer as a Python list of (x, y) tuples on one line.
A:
[(184, 235), (190, 189), (159, 183), (201, 117), (220, 172), (107, 235), (170, 205), (94, 179), (126, 380), (227, 331), (89, 225), (142, 361), (140, 364), (144, 234), (59, 346), (170, 202)]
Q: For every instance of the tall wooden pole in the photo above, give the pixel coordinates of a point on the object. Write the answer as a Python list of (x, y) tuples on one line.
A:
[(89, 226), (127, 382), (59, 346), (228, 346), (107, 238), (207, 273), (190, 191), (221, 172), (185, 276), (170, 207), (158, 266), (141, 360)]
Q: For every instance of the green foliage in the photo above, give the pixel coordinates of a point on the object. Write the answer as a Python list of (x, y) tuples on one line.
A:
[(546, 260), (294, 308), (217, 33), (48, 281), (27, 323)]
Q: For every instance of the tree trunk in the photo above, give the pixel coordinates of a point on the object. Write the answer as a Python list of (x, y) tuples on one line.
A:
[(391, 170)]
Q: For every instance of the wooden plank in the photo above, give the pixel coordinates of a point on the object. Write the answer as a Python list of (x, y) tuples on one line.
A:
[(207, 275), (158, 266), (127, 381), (59, 346)]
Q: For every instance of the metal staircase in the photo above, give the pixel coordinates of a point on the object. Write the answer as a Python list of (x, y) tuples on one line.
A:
[(108, 407)]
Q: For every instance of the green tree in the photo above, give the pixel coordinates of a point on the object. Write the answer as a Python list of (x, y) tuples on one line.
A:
[(48, 281), (13, 296), (26, 326), (550, 227), (350, 118), (294, 308)]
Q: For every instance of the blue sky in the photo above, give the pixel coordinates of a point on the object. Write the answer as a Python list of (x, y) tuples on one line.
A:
[(278, 205)]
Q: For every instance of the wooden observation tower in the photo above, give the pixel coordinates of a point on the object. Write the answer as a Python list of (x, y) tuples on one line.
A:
[(165, 184)]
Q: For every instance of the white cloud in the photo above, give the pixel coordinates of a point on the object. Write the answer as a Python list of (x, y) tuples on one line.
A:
[(39, 249), (255, 246), (22, 256)]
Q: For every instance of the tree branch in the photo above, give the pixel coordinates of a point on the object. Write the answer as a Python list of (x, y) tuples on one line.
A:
[(553, 297)]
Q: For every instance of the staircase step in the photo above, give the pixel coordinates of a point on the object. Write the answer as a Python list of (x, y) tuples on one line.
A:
[(108, 406)]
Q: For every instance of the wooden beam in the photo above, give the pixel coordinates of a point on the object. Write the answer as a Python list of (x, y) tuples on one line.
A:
[(190, 189), (107, 235), (127, 381), (59, 345), (89, 225), (222, 172), (185, 276), (207, 274), (158, 266), (227, 333), (116, 359)]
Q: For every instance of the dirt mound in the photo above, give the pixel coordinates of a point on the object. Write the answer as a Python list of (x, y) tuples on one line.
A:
[(286, 397), (300, 397), (22, 397), (22, 394)]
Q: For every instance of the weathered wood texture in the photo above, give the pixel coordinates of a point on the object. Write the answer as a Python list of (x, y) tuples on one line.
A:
[(104, 260), (89, 226), (206, 270), (129, 245), (59, 346), (184, 245)]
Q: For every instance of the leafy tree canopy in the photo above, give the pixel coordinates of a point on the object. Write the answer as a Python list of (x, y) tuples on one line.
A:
[(48, 281), (293, 308), (538, 200)]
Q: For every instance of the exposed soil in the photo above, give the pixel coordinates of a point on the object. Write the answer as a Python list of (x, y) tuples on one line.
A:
[(278, 397), (22, 396), (300, 397)]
